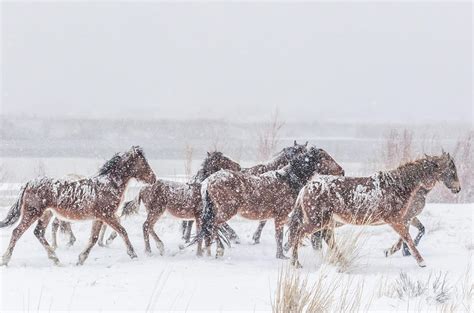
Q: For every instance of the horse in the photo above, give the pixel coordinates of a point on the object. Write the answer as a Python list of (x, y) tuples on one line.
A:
[(279, 160), (416, 207), (96, 198), (181, 200), (259, 197), (384, 198)]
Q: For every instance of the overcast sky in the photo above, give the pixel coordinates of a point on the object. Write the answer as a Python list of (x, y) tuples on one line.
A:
[(399, 62)]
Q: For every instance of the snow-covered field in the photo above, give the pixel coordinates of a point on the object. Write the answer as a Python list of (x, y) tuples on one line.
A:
[(244, 280)]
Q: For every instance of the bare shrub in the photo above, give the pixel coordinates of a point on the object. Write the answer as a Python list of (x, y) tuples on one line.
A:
[(3, 173), (398, 148), (436, 288), (268, 136), (188, 161), (40, 169)]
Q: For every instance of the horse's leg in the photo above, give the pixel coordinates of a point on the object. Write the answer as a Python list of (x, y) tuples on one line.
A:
[(26, 220), (258, 232), (232, 234), (279, 224), (328, 235), (184, 227), (402, 230), (220, 246), (54, 229), (101, 235), (199, 242), (316, 240), (72, 238), (159, 244), (96, 226), (111, 238), (114, 222), (421, 231), (394, 248), (147, 228), (301, 232), (187, 231), (39, 233)]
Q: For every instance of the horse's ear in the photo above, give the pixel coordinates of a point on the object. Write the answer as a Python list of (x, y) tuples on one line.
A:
[(278, 175), (306, 144), (294, 143), (135, 150), (208, 153)]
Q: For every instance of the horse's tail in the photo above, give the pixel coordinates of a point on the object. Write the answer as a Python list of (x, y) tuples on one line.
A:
[(296, 219), (208, 217), (132, 207), (15, 211)]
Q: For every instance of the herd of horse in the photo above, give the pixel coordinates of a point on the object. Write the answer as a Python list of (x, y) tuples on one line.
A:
[(302, 187)]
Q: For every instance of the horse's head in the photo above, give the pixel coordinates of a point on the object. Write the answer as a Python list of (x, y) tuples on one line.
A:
[(448, 172), (289, 153), (138, 166), (327, 165), (216, 161)]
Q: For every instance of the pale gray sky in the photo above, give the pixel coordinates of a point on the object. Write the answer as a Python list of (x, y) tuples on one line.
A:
[(399, 62)]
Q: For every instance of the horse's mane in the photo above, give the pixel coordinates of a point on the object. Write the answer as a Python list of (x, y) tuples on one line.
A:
[(111, 165), (422, 168), (204, 171)]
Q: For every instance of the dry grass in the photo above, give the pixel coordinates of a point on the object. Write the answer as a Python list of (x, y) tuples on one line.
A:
[(436, 288), (349, 242), (328, 293)]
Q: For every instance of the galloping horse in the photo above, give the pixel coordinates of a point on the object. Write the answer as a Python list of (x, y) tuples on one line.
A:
[(269, 195), (384, 198), (96, 198), (182, 200), (280, 160)]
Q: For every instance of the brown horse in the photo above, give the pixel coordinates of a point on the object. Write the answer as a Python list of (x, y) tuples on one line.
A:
[(384, 198), (182, 200), (280, 160), (262, 197), (96, 198), (416, 207)]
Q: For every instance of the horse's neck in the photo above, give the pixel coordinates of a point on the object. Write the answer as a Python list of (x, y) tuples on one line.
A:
[(275, 164), (116, 182), (414, 178)]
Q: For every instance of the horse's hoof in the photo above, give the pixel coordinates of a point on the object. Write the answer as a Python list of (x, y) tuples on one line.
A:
[(236, 241), (282, 257), (181, 247), (101, 244), (296, 264), (219, 253), (148, 253), (387, 253), (133, 255), (422, 264)]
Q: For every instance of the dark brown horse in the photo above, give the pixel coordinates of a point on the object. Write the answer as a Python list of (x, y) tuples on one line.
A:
[(262, 197), (280, 160), (182, 200), (96, 198), (384, 198), (417, 205)]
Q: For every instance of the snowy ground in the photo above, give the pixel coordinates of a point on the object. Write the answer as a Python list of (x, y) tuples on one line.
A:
[(243, 281)]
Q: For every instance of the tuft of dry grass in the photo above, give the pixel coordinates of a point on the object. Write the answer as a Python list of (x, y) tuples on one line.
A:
[(328, 293), (436, 288)]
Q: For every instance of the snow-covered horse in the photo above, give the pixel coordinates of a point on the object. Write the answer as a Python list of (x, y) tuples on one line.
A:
[(259, 197), (96, 198), (280, 160), (182, 200), (384, 198)]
